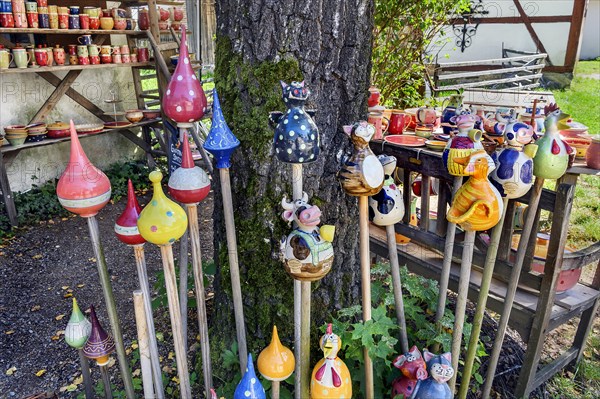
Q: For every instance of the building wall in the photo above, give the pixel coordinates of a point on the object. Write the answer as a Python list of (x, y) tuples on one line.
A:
[(590, 44)]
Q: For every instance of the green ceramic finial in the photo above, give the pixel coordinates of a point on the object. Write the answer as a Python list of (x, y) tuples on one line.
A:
[(78, 328)]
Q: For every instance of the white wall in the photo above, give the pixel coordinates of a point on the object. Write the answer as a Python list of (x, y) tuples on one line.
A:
[(590, 44)]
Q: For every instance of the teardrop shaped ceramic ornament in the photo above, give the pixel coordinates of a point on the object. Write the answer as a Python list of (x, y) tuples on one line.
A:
[(220, 141), (184, 101), (249, 386), (276, 362), (100, 344), (78, 328), (162, 221), (82, 188), (126, 225), (188, 184)]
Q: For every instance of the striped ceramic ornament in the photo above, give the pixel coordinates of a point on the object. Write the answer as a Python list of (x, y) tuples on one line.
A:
[(78, 328), (100, 344), (126, 225), (188, 184)]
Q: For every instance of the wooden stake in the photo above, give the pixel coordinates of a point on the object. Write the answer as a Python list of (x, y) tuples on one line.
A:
[(192, 211), (143, 342), (305, 292), (106, 382), (297, 339), (511, 290), (175, 313), (111, 307), (274, 389), (397, 283), (365, 268), (234, 269), (486, 279), (183, 288), (140, 262), (461, 300), (85, 372)]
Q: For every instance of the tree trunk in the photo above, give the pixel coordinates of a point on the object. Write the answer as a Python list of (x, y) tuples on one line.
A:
[(328, 44)]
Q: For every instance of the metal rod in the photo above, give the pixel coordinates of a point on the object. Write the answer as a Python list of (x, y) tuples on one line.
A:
[(234, 269), (365, 268), (484, 290), (140, 262), (111, 307), (106, 382), (511, 290), (143, 344), (183, 288), (192, 211), (397, 284), (174, 311), (85, 372)]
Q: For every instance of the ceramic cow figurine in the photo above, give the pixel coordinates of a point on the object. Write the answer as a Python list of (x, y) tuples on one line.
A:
[(386, 207), (413, 369), (330, 376), (464, 143), (552, 157), (307, 251)]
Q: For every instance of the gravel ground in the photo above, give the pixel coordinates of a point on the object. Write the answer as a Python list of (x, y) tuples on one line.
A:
[(40, 268)]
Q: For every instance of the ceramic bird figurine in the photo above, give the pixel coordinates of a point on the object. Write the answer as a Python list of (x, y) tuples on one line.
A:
[(477, 205), (413, 369), (162, 221), (552, 157), (307, 252), (464, 143), (188, 184), (330, 376), (362, 174), (100, 344), (440, 372), (78, 328), (387, 207), (276, 362), (296, 137), (249, 386), (126, 225)]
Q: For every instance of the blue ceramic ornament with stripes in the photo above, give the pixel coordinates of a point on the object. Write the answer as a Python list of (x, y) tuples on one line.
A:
[(249, 387)]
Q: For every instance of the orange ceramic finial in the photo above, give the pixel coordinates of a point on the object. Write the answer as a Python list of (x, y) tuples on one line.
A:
[(276, 362)]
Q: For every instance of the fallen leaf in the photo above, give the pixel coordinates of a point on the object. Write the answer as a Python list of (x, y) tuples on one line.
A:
[(171, 356), (40, 373), (69, 295), (127, 351), (175, 380), (71, 388), (167, 369), (111, 362), (80, 285), (136, 372), (92, 259), (36, 308), (9, 332), (64, 219), (11, 370), (50, 221), (64, 287), (69, 290), (78, 380), (55, 338), (36, 257), (134, 346), (59, 317), (60, 332)]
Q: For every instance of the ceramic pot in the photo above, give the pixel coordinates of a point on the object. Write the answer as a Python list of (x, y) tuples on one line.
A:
[(118, 13), (107, 23), (99, 345), (454, 102), (143, 19), (106, 50), (84, 21), (73, 60), (5, 58), (592, 157), (18, 6), (125, 49), (134, 115), (143, 54), (398, 122), (59, 55), (133, 58), (176, 25), (117, 59), (32, 20), (94, 59), (6, 6), (74, 22), (116, 50), (426, 116), (163, 14), (163, 25), (78, 328), (41, 56), (106, 58), (92, 11), (276, 362), (94, 23), (376, 119), (424, 131), (188, 184), (63, 21), (374, 96), (72, 49), (126, 225), (177, 14)]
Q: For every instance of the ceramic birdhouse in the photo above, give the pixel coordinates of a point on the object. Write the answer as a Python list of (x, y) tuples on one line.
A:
[(440, 372), (184, 101), (552, 157), (100, 344), (387, 207), (276, 362), (330, 376), (78, 328), (477, 205), (220, 141), (413, 369), (296, 134), (307, 253), (162, 221), (362, 174), (466, 141), (249, 387), (188, 184), (126, 225), (82, 188)]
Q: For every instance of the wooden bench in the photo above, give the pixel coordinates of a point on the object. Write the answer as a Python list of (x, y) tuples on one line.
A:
[(538, 308)]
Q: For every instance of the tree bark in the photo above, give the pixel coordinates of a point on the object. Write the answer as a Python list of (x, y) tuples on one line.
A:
[(259, 42)]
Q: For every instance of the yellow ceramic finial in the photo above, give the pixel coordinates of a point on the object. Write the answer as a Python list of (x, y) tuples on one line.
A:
[(162, 221), (276, 362)]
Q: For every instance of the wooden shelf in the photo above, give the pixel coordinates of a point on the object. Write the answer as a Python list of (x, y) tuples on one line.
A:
[(73, 31), (58, 68), (10, 148), (138, 3)]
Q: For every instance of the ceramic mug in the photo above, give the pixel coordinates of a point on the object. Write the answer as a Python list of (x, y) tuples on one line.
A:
[(106, 50), (53, 9), (116, 50), (83, 60), (398, 122), (143, 54), (116, 59), (53, 18), (376, 119), (59, 55), (5, 59), (42, 3), (44, 21), (74, 10), (63, 10), (32, 20), (94, 23), (94, 59), (82, 51), (84, 21), (21, 57), (30, 50), (143, 19), (63, 21), (18, 6), (72, 49), (90, 10), (74, 22), (125, 49), (93, 49), (7, 20), (126, 58), (20, 19), (6, 6), (120, 23), (73, 60), (107, 23), (133, 57), (84, 40), (30, 6), (106, 58)]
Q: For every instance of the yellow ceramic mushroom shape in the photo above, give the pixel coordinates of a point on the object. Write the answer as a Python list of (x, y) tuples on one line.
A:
[(276, 362)]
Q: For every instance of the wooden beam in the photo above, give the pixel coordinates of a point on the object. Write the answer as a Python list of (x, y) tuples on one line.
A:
[(579, 8), (9, 201), (528, 24), (56, 95), (516, 20)]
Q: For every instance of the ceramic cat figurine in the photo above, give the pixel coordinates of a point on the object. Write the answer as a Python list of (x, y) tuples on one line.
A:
[(552, 157), (440, 371), (296, 134), (330, 376), (413, 369), (464, 143), (387, 207), (362, 174)]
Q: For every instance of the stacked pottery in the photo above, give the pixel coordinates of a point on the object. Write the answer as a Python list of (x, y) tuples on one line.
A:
[(100, 344)]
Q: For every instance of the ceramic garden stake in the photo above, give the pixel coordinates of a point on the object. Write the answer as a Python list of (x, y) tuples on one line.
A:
[(99, 346), (413, 369), (249, 386), (552, 157), (440, 372), (276, 363), (162, 222), (83, 189), (221, 143), (76, 334), (330, 377)]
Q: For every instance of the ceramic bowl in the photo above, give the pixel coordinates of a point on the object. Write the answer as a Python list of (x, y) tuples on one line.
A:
[(58, 133), (435, 145), (151, 113), (35, 138), (16, 141), (134, 115), (88, 128)]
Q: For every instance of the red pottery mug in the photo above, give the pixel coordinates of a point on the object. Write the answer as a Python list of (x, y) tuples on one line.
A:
[(106, 58), (398, 122), (32, 20), (84, 21), (94, 59), (7, 20), (41, 56), (83, 60), (374, 96), (63, 21), (376, 119), (94, 23), (142, 54)]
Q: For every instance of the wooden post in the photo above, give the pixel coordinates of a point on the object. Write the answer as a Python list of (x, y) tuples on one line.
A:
[(486, 279), (85, 372), (365, 268), (275, 390), (534, 201), (106, 382), (183, 288), (174, 311), (143, 344), (111, 307), (397, 283)]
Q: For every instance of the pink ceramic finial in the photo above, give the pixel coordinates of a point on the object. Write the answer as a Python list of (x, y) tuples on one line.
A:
[(126, 225), (82, 188), (185, 101), (188, 184)]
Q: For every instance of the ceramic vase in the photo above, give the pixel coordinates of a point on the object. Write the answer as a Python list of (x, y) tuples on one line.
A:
[(100, 344), (386, 208), (188, 184), (126, 225), (330, 376), (78, 328), (276, 362)]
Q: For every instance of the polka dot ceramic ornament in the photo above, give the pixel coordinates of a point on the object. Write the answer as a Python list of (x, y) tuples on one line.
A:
[(184, 101), (276, 363), (249, 387), (76, 334), (220, 141)]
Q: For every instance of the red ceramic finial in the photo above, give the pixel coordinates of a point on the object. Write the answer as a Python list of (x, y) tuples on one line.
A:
[(187, 158), (82, 188), (126, 226), (185, 101), (188, 184)]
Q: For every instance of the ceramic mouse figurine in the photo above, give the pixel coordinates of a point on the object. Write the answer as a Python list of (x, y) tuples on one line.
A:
[(552, 157), (330, 376), (387, 207)]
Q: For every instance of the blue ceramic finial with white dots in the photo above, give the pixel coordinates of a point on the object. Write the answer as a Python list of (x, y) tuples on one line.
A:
[(220, 141), (249, 387), (296, 134)]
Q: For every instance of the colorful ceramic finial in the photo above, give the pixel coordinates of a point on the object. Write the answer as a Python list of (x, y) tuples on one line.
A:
[(126, 225), (184, 101), (162, 221), (552, 157), (100, 344), (276, 362), (220, 141), (250, 386), (387, 206), (82, 188), (188, 184), (330, 376), (78, 328)]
